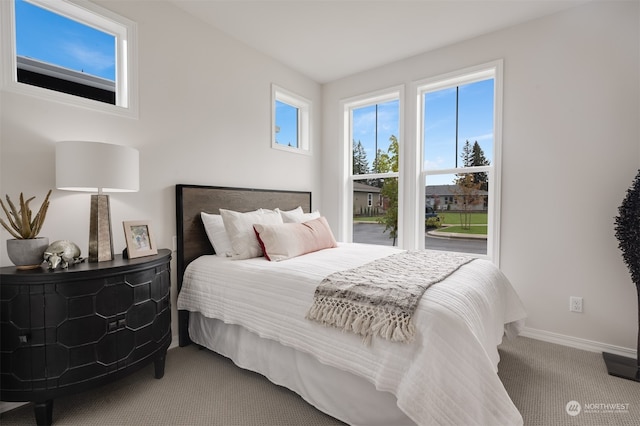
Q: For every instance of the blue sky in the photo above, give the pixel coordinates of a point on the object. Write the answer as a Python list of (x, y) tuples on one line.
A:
[(286, 121), (364, 127), (52, 38), (475, 123)]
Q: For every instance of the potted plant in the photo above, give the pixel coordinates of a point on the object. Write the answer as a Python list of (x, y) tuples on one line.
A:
[(628, 235), (26, 249)]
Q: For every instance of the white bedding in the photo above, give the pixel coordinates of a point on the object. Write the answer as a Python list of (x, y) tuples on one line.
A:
[(446, 376)]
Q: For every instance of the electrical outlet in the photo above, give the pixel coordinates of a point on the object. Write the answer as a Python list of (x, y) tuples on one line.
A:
[(575, 304)]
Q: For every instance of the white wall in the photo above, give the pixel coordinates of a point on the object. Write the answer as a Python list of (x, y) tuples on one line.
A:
[(205, 118), (571, 147), (571, 144)]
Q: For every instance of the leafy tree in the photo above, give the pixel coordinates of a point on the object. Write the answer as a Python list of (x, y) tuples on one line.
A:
[(381, 164), (468, 187), (390, 191), (467, 194), (360, 163)]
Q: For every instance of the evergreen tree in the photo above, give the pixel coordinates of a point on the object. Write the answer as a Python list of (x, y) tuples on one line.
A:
[(467, 155), (478, 159), (360, 163), (473, 155), (467, 191)]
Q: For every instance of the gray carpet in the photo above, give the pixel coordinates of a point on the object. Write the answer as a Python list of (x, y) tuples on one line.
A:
[(542, 378), (202, 388)]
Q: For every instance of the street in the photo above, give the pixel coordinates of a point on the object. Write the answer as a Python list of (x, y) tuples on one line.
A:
[(372, 233)]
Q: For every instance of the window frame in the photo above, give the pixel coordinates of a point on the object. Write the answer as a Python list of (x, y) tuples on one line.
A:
[(477, 73), (304, 119), (345, 222), (92, 15)]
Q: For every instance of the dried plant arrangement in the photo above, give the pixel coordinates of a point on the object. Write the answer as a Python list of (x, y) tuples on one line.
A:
[(22, 225)]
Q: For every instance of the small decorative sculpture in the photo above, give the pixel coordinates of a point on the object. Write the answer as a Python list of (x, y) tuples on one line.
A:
[(62, 253)]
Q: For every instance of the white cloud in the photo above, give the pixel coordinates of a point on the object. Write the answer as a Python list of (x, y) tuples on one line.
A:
[(485, 137), (91, 58)]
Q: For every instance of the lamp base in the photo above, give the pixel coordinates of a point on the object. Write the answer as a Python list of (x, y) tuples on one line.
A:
[(100, 236), (620, 366)]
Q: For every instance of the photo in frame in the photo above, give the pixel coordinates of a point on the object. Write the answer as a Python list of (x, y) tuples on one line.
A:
[(139, 238)]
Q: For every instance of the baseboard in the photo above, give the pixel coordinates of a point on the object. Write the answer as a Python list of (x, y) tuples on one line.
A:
[(576, 342), (174, 343)]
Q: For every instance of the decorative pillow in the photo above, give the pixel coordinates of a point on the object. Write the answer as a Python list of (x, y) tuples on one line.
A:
[(287, 240), (239, 227), (297, 215), (217, 234)]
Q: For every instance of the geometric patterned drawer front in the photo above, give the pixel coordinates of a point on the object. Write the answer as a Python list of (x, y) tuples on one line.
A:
[(81, 331), (113, 299)]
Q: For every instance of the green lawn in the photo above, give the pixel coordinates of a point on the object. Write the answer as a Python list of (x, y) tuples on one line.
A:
[(374, 219), (474, 229), (478, 222), (479, 218)]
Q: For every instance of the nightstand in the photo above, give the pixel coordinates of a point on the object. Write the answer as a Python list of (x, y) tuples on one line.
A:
[(66, 331)]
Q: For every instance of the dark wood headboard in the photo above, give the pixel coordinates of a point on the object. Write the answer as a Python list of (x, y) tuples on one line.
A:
[(192, 238)]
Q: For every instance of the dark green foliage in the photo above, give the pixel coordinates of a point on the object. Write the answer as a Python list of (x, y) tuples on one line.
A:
[(390, 190), (473, 155), (360, 163), (432, 222), (628, 230)]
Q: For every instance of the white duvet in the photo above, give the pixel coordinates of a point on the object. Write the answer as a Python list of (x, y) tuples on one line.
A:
[(448, 375)]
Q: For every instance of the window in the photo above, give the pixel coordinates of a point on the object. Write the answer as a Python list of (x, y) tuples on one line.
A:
[(459, 116), (373, 137), (290, 121), (70, 51)]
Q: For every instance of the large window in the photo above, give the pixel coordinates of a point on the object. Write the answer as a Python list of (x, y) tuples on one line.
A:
[(70, 51), (460, 136), (438, 189), (372, 194), (291, 125)]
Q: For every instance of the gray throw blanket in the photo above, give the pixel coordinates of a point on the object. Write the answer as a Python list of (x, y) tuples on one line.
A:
[(380, 297)]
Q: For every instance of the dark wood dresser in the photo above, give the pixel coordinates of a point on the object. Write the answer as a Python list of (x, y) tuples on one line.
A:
[(67, 331)]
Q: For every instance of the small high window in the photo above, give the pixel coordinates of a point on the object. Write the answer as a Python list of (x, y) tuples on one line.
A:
[(69, 51), (291, 121)]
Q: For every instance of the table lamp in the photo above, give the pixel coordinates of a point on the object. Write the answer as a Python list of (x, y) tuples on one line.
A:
[(97, 167)]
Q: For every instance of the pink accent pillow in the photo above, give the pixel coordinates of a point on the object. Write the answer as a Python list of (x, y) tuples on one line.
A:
[(287, 240)]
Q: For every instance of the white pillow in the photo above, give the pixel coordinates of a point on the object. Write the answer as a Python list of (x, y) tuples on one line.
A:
[(288, 240), (239, 227), (297, 215), (217, 234)]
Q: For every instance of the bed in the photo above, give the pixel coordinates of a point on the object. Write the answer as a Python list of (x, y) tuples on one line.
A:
[(253, 311)]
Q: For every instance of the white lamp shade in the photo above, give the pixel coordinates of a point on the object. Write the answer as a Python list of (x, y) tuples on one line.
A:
[(96, 167)]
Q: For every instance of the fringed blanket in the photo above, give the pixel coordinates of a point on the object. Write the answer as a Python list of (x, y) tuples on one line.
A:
[(380, 297)]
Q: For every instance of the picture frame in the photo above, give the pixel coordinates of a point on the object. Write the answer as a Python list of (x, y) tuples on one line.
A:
[(139, 238)]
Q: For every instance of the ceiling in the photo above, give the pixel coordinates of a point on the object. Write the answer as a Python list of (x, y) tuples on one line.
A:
[(330, 39)]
